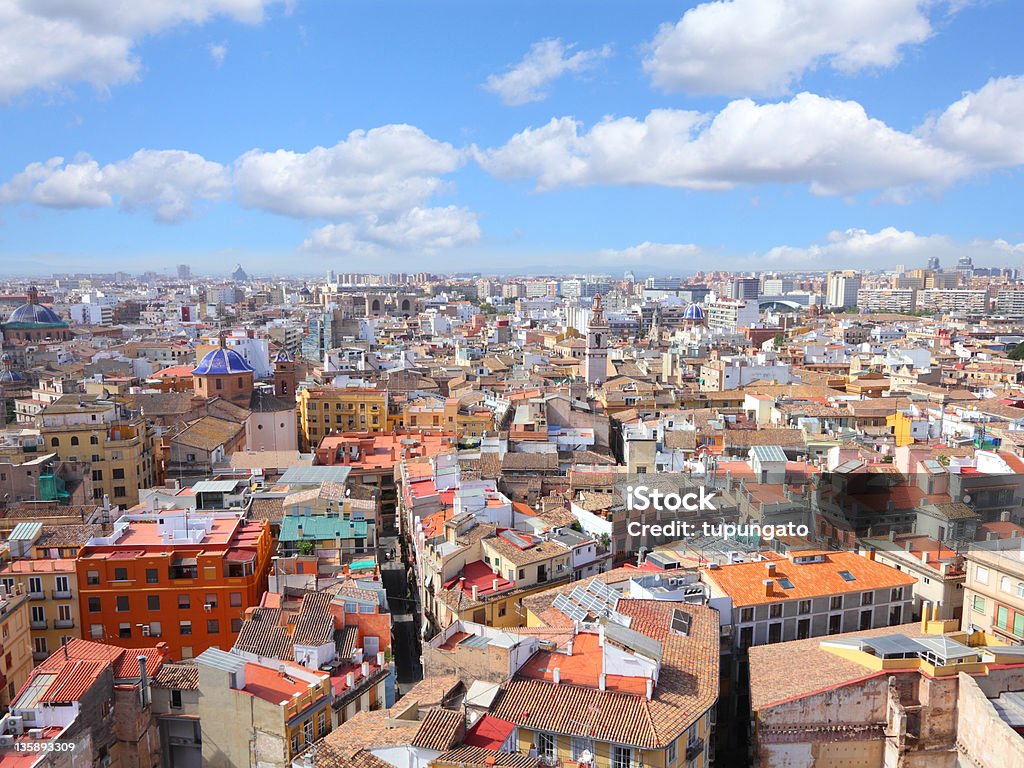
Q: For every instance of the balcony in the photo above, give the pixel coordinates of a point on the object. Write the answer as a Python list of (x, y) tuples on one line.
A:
[(64, 624), (40, 595), (34, 624), (61, 594), (694, 748)]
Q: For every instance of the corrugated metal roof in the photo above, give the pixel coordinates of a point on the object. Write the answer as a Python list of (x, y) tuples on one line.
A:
[(314, 475), (215, 486), (214, 657), (768, 453), (25, 532), (635, 641)]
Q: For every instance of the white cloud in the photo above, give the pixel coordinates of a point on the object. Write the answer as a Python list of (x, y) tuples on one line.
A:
[(745, 47), (218, 53), (167, 182), (424, 229), (49, 44), (852, 248), (546, 61), (832, 146), (385, 170), (987, 124)]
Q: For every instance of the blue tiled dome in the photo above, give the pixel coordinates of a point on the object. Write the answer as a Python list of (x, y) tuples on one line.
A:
[(35, 314), (222, 361), (7, 373), (694, 312)]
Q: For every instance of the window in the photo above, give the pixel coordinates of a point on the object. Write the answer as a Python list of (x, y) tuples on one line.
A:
[(321, 724), (235, 600), (185, 627), (581, 744), (74, 440), (152, 576), (236, 626), (64, 613), (122, 603), (213, 626), (746, 614), (35, 585), (39, 645), (38, 614), (120, 574), (805, 606), (979, 604), (184, 601), (622, 757), (94, 605), (118, 473), (93, 440), (775, 632), (847, 576), (981, 575), (61, 584), (175, 698), (865, 619), (547, 748), (835, 624), (218, 384), (1002, 616), (1020, 589), (896, 594), (54, 442), (96, 631), (119, 490), (867, 598), (670, 753), (211, 599), (97, 475), (124, 630), (835, 603), (803, 629), (153, 602), (775, 611)]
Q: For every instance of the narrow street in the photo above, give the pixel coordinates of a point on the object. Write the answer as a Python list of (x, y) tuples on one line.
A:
[(404, 617)]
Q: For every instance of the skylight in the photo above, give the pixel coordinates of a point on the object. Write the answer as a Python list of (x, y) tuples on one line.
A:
[(785, 583), (847, 576)]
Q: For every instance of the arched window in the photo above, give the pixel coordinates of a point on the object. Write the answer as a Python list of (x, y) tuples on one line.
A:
[(54, 442), (93, 440), (74, 440)]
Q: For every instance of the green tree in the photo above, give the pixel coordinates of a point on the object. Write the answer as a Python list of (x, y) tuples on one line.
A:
[(1017, 353)]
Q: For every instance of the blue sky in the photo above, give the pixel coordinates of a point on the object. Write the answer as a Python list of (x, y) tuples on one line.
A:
[(656, 136)]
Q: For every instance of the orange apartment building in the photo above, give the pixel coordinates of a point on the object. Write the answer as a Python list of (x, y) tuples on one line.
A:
[(183, 577)]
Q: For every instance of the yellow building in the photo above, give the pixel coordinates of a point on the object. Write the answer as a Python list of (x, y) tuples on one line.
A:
[(119, 445), (429, 414), (328, 410), (52, 589), (16, 643)]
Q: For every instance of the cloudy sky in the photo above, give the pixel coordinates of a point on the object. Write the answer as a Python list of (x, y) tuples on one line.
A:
[(378, 135)]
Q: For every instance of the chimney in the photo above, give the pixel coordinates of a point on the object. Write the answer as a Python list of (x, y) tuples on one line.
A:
[(143, 681), (991, 536), (476, 592), (602, 681), (350, 680), (365, 668), (908, 545), (768, 587), (924, 556), (1014, 533), (926, 608), (892, 535), (650, 689), (770, 567), (1004, 516), (494, 585), (935, 611), (556, 675)]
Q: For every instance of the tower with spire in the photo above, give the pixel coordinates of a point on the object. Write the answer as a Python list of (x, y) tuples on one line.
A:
[(596, 360)]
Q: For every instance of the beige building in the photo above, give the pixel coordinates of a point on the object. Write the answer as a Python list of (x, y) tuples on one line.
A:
[(52, 589), (119, 445), (938, 569), (994, 590), (16, 641)]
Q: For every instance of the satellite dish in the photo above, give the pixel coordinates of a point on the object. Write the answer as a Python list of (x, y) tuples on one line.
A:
[(967, 498)]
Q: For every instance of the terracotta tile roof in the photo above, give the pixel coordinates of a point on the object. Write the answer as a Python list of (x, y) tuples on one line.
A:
[(686, 689), (744, 582), (440, 729), (468, 756), (208, 433), (771, 666), (315, 623), (178, 675), (263, 634)]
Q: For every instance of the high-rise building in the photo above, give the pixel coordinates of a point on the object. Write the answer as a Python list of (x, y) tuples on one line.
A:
[(933, 263), (184, 271), (743, 288), (842, 289)]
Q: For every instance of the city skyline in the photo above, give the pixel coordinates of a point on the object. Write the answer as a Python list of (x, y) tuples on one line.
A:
[(662, 139)]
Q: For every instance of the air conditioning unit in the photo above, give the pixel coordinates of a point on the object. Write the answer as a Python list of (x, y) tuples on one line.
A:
[(36, 733), (207, 607), (6, 740), (145, 630)]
